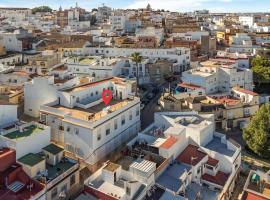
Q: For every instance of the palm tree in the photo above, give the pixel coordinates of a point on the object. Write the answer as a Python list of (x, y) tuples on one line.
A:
[(137, 58)]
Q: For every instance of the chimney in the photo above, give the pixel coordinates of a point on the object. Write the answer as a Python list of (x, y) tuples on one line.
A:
[(21, 129)]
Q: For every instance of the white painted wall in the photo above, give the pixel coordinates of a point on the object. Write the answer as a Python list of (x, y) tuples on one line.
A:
[(38, 92), (30, 144), (8, 114)]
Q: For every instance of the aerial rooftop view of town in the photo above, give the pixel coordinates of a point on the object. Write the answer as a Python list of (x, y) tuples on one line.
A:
[(135, 100)]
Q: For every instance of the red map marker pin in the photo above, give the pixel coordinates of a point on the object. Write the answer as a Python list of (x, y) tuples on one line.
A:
[(106, 96)]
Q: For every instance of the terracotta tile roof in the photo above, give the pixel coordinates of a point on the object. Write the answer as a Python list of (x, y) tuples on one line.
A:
[(190, 152), (169, 142), (246, 91), (219, 179), (230, 101), (5, 151), (20, 73), (4, 102), (189, 86), (251, 196), (212, 162)]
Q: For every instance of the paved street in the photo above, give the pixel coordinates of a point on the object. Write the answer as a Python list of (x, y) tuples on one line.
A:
[(147, 114)]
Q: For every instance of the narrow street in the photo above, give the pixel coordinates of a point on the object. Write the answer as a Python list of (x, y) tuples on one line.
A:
[(147, 114)]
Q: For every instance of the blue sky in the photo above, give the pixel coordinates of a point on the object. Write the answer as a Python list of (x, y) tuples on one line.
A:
[(174, 5)]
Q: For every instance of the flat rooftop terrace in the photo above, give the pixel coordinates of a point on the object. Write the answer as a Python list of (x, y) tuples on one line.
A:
[(170, 178), (58, 169), (217, 146), (94, 113), (27, 131), (108, 188)]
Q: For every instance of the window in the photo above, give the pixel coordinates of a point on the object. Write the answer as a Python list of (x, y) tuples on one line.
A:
[(123, 120), (128, 190), (108, 131), (199, 171), (115, 124), (76, 131), (137, 111), (130, 115), (64, 188), (209, 167), (72, 180), (236, 166), (68, 129), (54, 192), (98, 136)]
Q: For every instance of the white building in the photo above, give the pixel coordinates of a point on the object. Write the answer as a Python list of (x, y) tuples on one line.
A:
[(43, 90), (15, 79), (26, 138), (11, 59), (13, 41), (132, 24), (246, 20), (192, 35), (200, 159), (79, 25), (241, 43), (218, 76), (158, 33), (8, 113), (84, 126), (118, 22), (181, 56), (97, 66), (115, 182), (242, 59), (103, 13), (15, 14)]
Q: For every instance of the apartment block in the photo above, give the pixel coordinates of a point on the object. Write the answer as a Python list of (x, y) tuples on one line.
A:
[(87, 128), (219, 76)]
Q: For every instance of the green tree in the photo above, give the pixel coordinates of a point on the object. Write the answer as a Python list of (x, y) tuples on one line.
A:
[(137, 58), (257, 134), (41, 9), (261, 69)]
